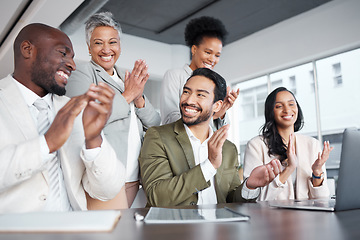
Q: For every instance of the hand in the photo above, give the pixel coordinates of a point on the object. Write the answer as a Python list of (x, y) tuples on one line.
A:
[(135, 83), (97, 113), (229, 101), (63, 123), (292, 159), (264, 174), (322, 158), (215, 145)]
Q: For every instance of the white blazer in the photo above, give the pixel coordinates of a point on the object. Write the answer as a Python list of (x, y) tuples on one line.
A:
[(307, 149), (23, 176)]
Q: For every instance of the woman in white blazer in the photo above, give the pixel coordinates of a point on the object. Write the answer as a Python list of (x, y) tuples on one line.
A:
[(132, 113), (303, 173)]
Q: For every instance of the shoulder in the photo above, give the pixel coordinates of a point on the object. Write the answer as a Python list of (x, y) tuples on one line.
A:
[(163, 130), (84, 66), (177, 73), (257, 141)]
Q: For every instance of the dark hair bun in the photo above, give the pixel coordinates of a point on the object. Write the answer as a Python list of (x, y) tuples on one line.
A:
[(204, 26)]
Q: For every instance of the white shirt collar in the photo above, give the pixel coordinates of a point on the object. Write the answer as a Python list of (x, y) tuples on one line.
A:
[(30, 97), (192, 136)]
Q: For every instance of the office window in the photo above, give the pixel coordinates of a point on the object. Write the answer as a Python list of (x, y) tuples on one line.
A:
[(292, 84), (338, 105), (337, 74), (249, 110), (312, 80)]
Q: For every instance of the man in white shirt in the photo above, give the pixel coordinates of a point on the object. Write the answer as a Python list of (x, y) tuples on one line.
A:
[(51, 156), (186, 163)]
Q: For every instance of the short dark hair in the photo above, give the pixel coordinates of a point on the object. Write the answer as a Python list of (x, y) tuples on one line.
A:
[(204, 26), (270, 132), (220, 83)]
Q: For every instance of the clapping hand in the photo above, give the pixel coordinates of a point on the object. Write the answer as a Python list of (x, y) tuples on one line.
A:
[(135, 83), (229, 101), (322, 158), (215, 145), (264, 174)]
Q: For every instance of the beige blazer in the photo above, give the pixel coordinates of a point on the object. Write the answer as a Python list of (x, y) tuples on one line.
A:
[(307, 149), (23, 176)]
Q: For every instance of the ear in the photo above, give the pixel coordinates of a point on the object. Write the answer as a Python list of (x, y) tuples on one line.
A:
[(27, 49), (193, 49), (217, 106), (88, 48)]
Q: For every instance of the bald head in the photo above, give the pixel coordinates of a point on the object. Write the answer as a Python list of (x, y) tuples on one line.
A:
[(43, 56), (34, 33)]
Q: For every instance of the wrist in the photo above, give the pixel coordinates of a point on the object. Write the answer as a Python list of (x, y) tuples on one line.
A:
[(139, 102), (94, 142), (318, 175)]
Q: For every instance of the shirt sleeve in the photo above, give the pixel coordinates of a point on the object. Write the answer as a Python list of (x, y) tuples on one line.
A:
[(247, 193), (45, 151), (91, 154), (207, 169)]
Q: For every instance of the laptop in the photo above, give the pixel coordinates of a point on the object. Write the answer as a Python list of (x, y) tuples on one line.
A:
[(347, 190)]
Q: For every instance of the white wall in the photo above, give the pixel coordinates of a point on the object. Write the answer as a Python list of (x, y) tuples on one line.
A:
[(159, 56), (325, 30), (50, 12)]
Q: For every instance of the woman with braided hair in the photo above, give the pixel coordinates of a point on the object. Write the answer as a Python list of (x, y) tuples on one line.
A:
[(205, 36)]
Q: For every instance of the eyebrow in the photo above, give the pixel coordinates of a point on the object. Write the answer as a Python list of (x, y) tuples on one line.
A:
[(67, 49), (292, 100), (198, 90), (99, 39), (210, 49)]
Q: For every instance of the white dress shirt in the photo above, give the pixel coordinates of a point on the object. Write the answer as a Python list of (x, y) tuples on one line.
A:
[(200, 150), (134, 140)]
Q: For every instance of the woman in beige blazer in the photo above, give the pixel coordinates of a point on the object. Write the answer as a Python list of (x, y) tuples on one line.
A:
[(303, 173)]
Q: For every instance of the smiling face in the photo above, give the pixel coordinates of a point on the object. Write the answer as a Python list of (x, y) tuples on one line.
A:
[(105, 47), (53, 63), (285, 110), (197, 101), (207, 54)]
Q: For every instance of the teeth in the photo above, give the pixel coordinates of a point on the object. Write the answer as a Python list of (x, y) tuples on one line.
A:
[(191, 110), (287, 117), (106, 58), (208, 65), (62, 74)]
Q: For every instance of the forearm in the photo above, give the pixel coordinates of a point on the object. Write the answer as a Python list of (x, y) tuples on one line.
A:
[(104, 175)]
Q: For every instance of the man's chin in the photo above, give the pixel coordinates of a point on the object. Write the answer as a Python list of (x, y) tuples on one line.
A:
[(60, 91)]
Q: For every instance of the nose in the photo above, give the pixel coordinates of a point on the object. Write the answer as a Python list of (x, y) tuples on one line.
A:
[(286, 109), (212, 58), (70, 64), (106, 48)]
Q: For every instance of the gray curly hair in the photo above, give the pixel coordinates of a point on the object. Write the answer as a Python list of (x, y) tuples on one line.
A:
[(98, 20)]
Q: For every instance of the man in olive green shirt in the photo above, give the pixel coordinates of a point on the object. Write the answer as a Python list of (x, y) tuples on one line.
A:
[(186, 163)]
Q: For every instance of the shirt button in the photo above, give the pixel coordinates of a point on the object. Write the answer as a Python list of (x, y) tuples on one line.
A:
[(192, 203), (42, 197)]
